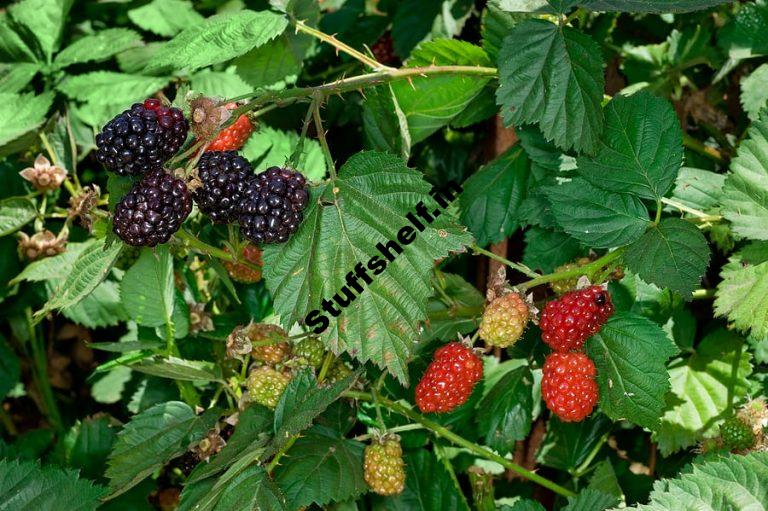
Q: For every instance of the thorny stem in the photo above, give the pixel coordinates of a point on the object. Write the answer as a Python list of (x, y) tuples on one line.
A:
[(452, 437), (210, 250), (687, 209), (276, 459), (340, 46), (587, 269), (396, 429), (295, 158), (515, 266), (317, 101)]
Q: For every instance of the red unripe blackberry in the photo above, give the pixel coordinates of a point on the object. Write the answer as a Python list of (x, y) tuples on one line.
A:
[(569, 321), (504, 320), (384, 50), (234, 136), (142, 138), (449, 379), (271, 209), (153, 210), (246, 274), (568, 385), (223, 175)]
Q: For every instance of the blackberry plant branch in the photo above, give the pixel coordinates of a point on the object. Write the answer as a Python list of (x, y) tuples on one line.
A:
[(339, 45), (452, 437), (506, 262), (588, 269), (317, 101), (201, 246)]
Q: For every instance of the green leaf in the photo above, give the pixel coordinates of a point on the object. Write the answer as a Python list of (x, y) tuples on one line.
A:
[(147, 288), (590, 500), (745, 194), (537, 54), (754, 95), (44, 20), (700, 391), (546, 250), (250, 488), (10, 368), (321, 468), (14, 77), (742, 295), (641, 149), (443, 322), (567, 444), (179, 369), (25, 486), (15, 213), (630, 353), (218, 39), (524, 505), (650, 6), (302, 401), (496, 24), (218, 84), (731, 482), (108, 88), (272, 147), (166, 17), (428, 487), (698, 189), (747, 33), (429, 103), (420, 20), (492, 197), (596, 217), (673, 254), (21, 113), (604, 480), (88, 271), (506, 411), (57, 267), (151, 439), (12, 47), (97, 47), (109, 388), (101, 308), (364, 206), (87, 445), (384, 123)]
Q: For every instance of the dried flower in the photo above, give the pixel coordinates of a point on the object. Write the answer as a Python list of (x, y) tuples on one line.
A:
[(199, 319), (43, 175), (238, 343), (207, 116), (82, 204), (210, 445), (41, 244)]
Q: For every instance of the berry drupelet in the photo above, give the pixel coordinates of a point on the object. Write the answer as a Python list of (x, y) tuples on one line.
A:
[(142, 138), (153, 210), (271, 209), (223, 175), (569, 321)]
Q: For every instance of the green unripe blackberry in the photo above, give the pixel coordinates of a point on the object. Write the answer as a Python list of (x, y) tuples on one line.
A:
[(737, 435), (310, 351), (266, 385)]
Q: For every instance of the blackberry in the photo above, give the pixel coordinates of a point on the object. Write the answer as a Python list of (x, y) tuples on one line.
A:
[(271, 209), (223, 175), (142, 138), (153, 210)]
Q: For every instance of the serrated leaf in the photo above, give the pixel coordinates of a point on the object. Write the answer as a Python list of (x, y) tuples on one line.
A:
[(25, 486), (630, 353), (590, 500), (272, 147), (745, 193), (15, 213), (598, 218), (86, 446), (496, 24), (700, 391), (429, 103), (101, 308), (218, 39), (492, 197), (109, 388), (506, 411), (14, 77), (673, 254), (12, 47), (746, 35), (428, 487), (97, 47), (546, 250), (303, 400), (567, 444), (165, 17), (107, 87), (321, 468), (88, 271), (698, 189), (56, 267), (151, 439), (443, 320), (384, 124), (537, 54), (731, 482), (44, 20), (250, 489), (650, 6), (345, 220), (640, 150), (147, 288), (218, 84), (416, 21), (604, 480), (754, 94), (742, 295), (21, 113), (179, 369), (10, 368)]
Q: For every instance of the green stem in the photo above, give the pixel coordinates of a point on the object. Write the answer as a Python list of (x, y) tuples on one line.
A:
[(276, 459), (587, 269), (696, 145), (316, 102), (10, 427), (327, 361), (506, 262), (734, 376), (340, 46), (659, 207), (396, 429), (40, 370), (703, 294), (210, 250), (583, 468), (452, 437)]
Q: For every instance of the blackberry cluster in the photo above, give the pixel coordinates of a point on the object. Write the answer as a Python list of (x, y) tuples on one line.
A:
[(271, 209), (224, 175), (153, 210), (142, 138)]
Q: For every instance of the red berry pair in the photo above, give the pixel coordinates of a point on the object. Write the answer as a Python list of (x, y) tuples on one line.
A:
[(568, 384)]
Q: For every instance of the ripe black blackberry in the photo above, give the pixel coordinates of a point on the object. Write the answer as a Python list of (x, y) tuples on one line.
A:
[(153, 210), (142, 138), (271, 209), (223, 175)]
